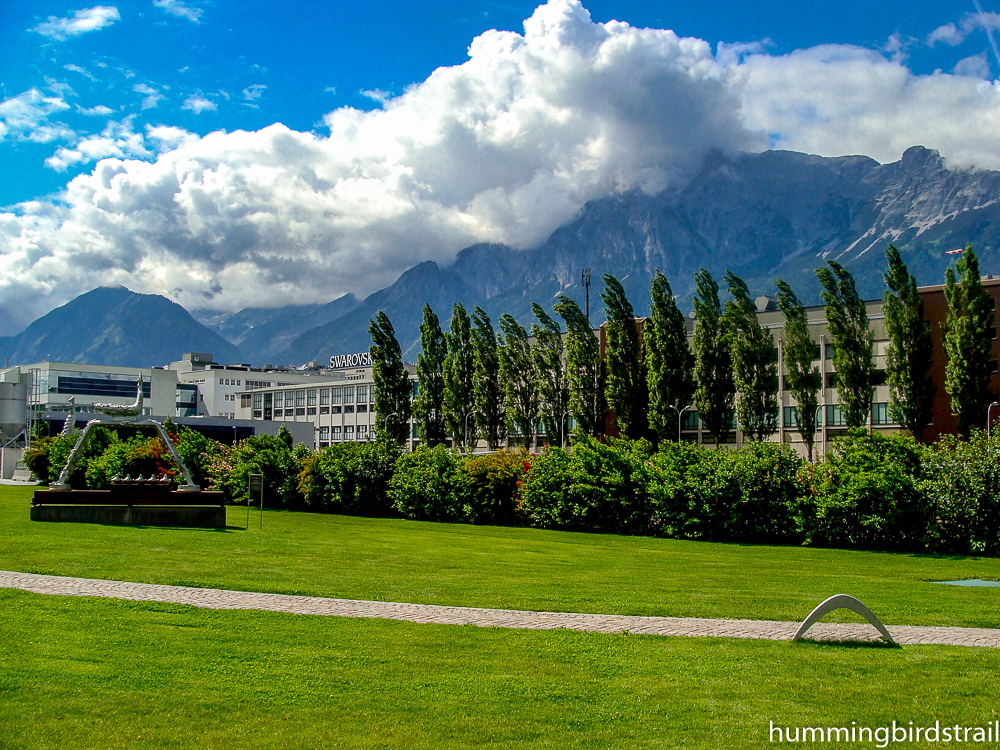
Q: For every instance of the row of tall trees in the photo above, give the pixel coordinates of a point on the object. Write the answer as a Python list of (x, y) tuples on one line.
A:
[(474, 384)]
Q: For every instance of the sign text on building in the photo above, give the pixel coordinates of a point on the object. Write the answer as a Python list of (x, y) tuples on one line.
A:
[(361, 359)]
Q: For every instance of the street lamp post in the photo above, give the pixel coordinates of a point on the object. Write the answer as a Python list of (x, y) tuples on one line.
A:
[(680, 413), (989, 420)]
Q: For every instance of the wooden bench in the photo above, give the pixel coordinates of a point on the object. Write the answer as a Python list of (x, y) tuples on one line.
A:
[(132, 504)]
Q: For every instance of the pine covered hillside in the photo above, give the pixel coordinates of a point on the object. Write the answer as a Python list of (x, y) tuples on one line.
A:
[(115, 326)]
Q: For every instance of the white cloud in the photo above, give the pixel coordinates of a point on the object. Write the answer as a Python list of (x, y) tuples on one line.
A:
[(505, 147), (975, 66), (254, 92), (81, 71), (97, 111), (82, 21), (25, 117), (198, 104), (151, 97), (179, 9), (953, 34), (117, 140)]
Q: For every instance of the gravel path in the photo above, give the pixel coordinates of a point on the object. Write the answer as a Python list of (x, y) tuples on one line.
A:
[(498, 618)]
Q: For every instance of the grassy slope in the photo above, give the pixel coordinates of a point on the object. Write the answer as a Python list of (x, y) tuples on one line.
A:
[(498, 567), (88, 673)]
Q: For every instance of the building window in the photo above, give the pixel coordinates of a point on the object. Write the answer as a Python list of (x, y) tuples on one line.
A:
[(300, 398), (349, 409), (349, 432), (324, 396), (324, 434), (277, 412), (834, 416), (311, 411), (335, 409), (880, 414), (689, 421), (362, 394), (324, 410), (362, 408), (300, 411), (336, 433), (790, 416), (362, 432), (349, 394), (258, 400), (335, 396), (311, 398), (831, 380), (830, 350)]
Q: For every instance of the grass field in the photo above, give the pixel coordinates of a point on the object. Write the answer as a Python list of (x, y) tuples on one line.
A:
[(394, 560), (97, 673)]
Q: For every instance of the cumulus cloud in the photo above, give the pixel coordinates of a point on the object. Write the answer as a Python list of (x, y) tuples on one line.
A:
[(198, 104), (25, 117), (98, 110), (505, 147), (179, 9), (151, 97), (117, 140), (82, 21)]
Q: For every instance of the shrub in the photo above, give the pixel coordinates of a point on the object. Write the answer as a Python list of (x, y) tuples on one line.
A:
[(594, 487), (865, 495), (230, 468), (350, 478), (493, 481), (692, 492), (767, 475), (195, 450), (961, 481), (135, 457), (430, 485)]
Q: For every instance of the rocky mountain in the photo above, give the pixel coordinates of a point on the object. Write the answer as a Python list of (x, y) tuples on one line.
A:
[(114, 326), (261, 333), (764, 216)]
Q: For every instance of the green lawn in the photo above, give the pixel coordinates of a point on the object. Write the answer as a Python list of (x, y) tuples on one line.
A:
[(98, 673), (358, 558)]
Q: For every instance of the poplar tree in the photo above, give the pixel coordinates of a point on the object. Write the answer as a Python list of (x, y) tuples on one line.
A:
[(908, 356), (801, 375), (713, 366), (486, 385), (969, 348), (585, 368), (428, 407), (518, 374), (625, 387), (669, 361), (847, 321), (547, 353), (755, 363), (392, 382), (458, 371)]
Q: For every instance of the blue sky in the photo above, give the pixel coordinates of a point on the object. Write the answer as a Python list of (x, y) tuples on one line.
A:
[(138, 144)]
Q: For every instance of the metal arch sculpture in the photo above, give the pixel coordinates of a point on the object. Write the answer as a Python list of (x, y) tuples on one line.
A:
[(118, 410), (842, 601)]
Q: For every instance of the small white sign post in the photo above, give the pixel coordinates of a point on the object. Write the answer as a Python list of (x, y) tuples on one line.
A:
[(256, 485)]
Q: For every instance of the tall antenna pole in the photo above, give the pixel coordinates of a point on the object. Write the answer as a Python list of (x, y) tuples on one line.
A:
[(585, 278)]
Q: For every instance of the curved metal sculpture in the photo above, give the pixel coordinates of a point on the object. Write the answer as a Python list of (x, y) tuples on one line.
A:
[(842, 601), (118, 410), (123, 410)]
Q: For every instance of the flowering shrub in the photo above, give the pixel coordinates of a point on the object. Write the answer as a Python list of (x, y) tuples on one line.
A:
[(229, 470), (493, 481)]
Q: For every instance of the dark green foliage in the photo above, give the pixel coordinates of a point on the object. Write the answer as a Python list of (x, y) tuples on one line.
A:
[(755, 368), (908, 356), (493, 480), (195, 450), (969, 348), (865, 495), (625, 386), (517, 370), (458, 371), (553, 392), (961, 481), (847, 321), (350, 478), (137, 456), (747, 495), (429, 484), (669, 361), (801, 375), (713, 365), (584, 367), (487, 389), (428, 407), (230, 469), (595, 487), (392, 382)]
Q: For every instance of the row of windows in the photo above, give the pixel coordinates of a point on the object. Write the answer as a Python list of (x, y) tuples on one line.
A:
[(348, 432), (82, 386), (832, 412), (361, 394)]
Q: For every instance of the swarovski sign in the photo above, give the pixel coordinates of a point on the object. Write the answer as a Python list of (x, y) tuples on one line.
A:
[(361, 359)]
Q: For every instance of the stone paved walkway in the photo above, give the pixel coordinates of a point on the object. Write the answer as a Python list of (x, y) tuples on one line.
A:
[(498, 618)]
